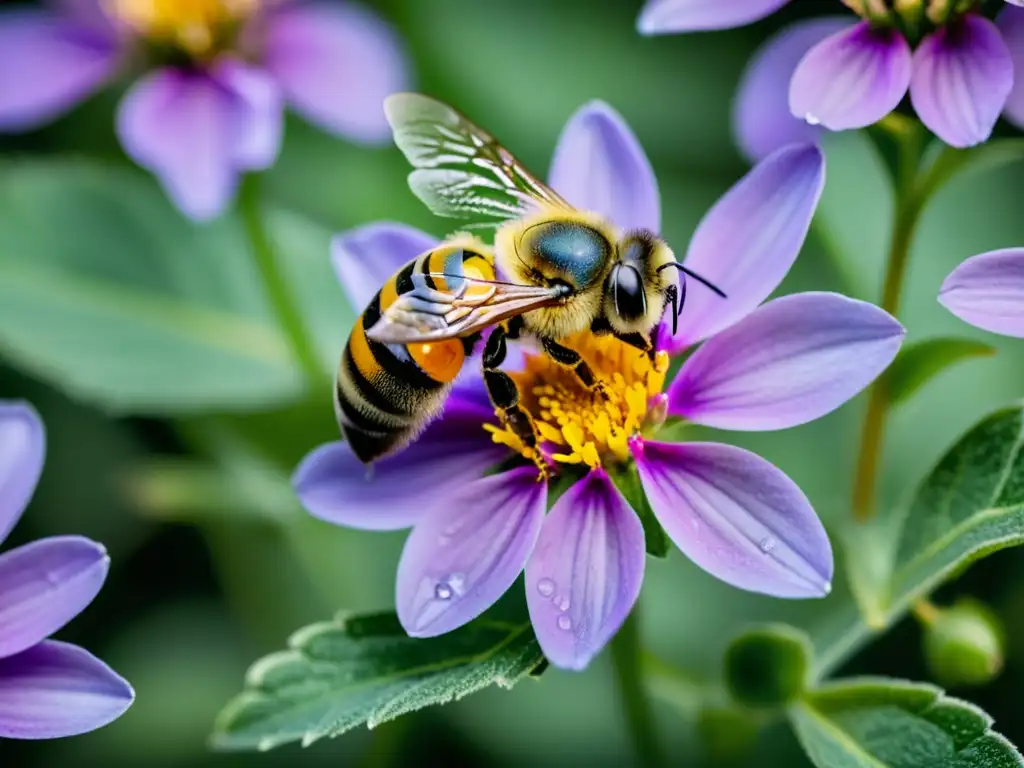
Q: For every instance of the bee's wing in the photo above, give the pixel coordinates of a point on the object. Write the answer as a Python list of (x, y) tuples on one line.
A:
[(461, 170), (427, 314)]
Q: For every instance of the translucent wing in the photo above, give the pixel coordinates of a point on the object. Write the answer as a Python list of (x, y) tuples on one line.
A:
[(461, 170), (467, 305)]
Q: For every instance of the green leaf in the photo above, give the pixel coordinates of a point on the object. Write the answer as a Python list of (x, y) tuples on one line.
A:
[(920, 362), (883, 723), (969, 506), (767, 666), (110, 295), (365, 669)]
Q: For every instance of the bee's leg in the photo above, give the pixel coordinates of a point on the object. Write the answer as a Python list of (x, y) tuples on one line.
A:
[(637, 340), (504, 394), (571, 359), (658, 359), (514, 326)]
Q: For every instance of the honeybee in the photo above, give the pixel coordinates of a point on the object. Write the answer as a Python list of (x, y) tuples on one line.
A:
[(568, 271)]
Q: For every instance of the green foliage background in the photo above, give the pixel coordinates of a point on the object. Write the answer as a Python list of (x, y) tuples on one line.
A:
[(213, 563)]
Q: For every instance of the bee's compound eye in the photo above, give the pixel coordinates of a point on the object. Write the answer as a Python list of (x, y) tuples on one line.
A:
[(628, 292), (573, 250)]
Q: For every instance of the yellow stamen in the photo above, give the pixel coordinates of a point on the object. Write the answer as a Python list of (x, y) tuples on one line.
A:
[(195, 26), (592, 427)]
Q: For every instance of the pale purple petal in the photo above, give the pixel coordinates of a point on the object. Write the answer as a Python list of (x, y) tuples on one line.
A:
[(660, 17), (963, 74), (600, 166), (748, 241), (258, 114), (365, 257), (181, 125), (467, 552), (336, 63), (45, 584), (737, 517), (788, 362), (987, 290), (49, 64), (585, 572), (762, 121), (1011, 26), (396, 492), (54, 689), (22, 451), (852, 79)]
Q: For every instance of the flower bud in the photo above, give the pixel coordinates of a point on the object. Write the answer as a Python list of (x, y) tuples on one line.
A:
[(963, 644), (766, 666)]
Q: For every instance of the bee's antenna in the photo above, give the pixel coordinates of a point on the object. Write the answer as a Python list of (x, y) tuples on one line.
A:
[(694, 275), (677, 296)]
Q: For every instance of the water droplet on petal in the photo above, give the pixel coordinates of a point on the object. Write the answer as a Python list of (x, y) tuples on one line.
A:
[(546, 587), (457, 581), (826, 587), (811, 119), (564, 622), (562, 603), (442, 591), (767, 544)]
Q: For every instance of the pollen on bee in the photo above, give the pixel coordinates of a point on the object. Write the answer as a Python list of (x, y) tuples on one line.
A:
[(579, 425)]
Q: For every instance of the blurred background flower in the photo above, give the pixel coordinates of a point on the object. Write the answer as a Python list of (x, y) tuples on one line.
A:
[(220, 72), (175, 414), (957, 66), (48, 689), (987, 290)]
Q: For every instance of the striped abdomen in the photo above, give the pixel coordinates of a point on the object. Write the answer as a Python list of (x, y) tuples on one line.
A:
[(386, 394)]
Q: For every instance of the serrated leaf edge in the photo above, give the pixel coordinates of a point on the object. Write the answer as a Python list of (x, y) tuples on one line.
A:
[(257, 672), (941, 697)]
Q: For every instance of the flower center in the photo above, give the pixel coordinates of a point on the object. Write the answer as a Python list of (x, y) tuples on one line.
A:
[(195, 26), (576, 425)]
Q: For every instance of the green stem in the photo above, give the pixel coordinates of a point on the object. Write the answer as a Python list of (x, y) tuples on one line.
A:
[(626, 656), (910, 201), (278, 291)]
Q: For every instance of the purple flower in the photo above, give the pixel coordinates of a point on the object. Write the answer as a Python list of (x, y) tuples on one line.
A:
[(987, 290), (201, 124), (837, 74), (48, 689), (737, 516)]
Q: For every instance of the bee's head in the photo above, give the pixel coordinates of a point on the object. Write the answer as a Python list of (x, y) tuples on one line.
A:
[(635, 291)]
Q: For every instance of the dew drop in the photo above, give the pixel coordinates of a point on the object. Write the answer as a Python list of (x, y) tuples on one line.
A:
[(826, 587), (457, 582), (442, 591), (811, 119), (546, 587), (564, 622), (562, 603), (767, 544)]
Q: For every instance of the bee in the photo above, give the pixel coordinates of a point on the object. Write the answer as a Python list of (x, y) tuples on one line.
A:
[(568, 271)]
